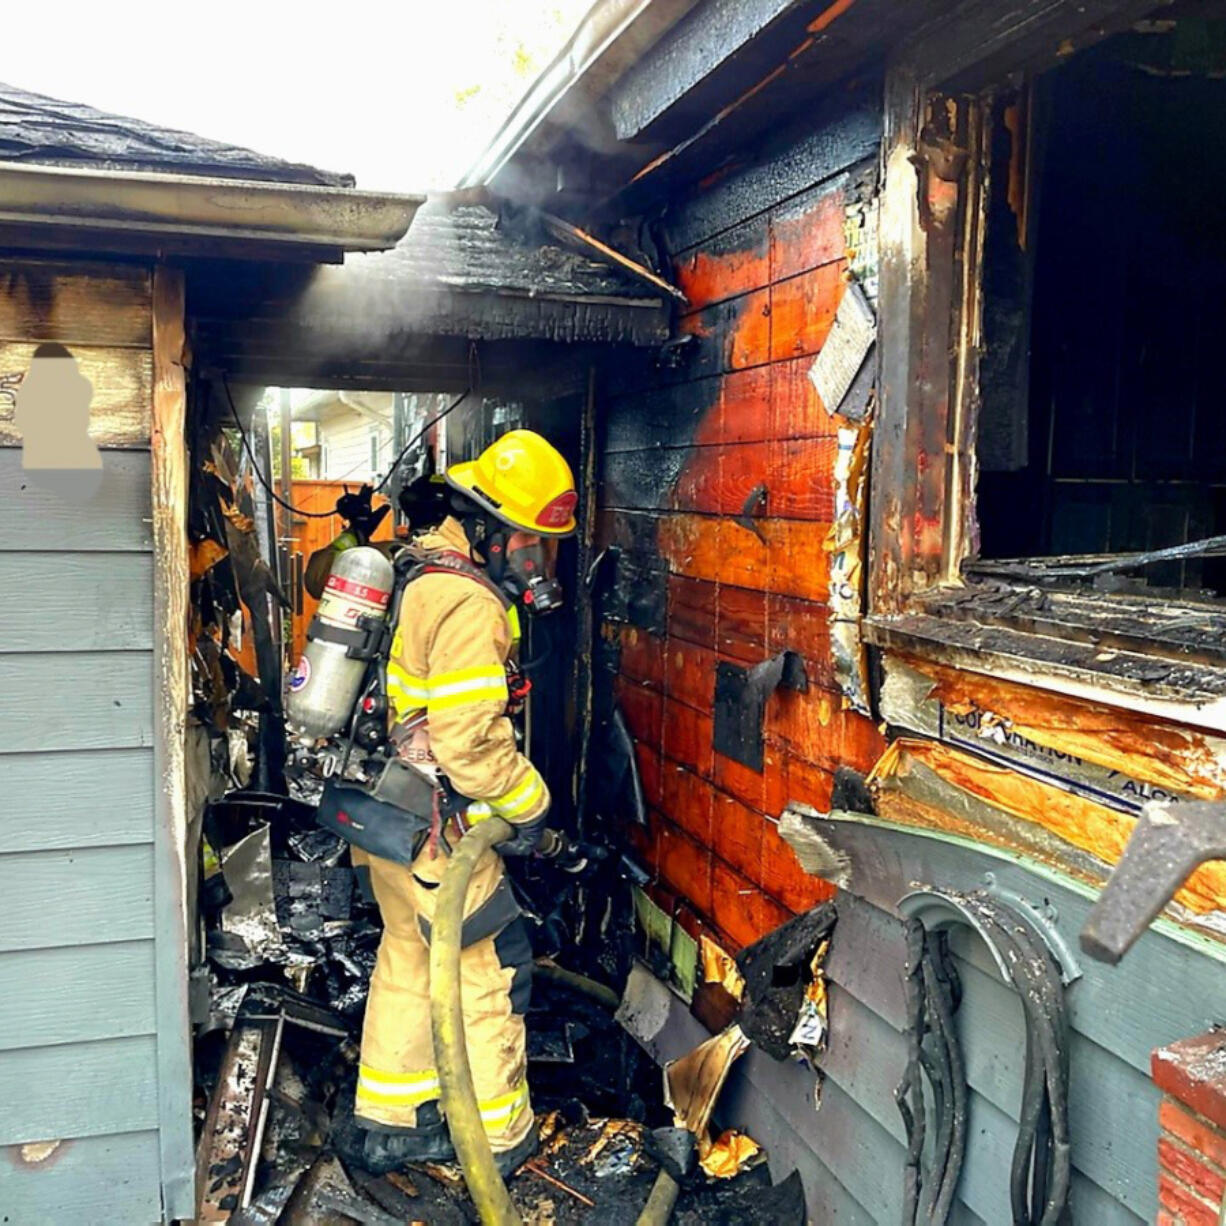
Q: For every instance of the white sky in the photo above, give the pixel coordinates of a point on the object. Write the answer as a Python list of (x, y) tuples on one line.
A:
[(403, 95)]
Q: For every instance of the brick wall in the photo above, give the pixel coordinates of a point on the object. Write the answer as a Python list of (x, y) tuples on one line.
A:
[(1192, 1141), (682, 451)]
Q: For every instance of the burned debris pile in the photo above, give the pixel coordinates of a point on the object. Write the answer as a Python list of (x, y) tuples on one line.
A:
[(291, 940), (291, 943)]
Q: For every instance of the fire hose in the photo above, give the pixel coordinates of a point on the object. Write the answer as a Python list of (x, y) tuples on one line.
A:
[(457, 1092), (459, 1096)]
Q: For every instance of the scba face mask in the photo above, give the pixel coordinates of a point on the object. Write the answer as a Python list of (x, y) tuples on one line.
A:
[(523, 565)]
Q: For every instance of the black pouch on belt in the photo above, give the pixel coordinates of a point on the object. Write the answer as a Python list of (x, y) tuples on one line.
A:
[(389, 820)]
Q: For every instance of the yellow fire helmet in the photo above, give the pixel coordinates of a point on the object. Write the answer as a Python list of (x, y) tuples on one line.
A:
[(523, 480)]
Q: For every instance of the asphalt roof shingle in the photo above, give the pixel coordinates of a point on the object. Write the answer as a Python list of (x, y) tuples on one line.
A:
[(48, 131)]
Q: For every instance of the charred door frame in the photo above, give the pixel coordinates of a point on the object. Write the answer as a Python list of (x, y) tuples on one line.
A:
[(935, 153), (168, 456)]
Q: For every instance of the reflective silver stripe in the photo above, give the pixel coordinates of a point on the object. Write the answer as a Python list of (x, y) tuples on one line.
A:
[(520, 798)]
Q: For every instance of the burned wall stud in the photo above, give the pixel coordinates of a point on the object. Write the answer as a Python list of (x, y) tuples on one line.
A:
[(740, 703)]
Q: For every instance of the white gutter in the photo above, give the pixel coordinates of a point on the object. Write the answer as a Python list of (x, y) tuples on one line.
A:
[(191, 206), (612, 35)]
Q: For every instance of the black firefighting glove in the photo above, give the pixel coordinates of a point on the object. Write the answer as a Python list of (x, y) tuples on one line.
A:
[(527, 838)]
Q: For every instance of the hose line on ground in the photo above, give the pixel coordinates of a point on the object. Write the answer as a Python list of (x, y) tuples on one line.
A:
[(659, 1206), (459, 1097), (599, 992)]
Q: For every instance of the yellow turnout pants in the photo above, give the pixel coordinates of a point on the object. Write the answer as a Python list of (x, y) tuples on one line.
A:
[(397, 1073)]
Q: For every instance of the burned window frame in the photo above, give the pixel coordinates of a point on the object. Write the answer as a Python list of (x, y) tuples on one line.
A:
[(1152, 652)]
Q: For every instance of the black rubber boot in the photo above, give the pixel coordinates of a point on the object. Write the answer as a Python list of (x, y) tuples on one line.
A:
[(379, 1150), (509, 1161)]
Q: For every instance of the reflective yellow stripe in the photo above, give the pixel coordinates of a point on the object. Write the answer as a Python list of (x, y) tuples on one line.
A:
[(408, 1098), (398, 1079), (211, 863), (478, 811), (479, 672), (501, 1112), (444, 691), (405, 692), (405, 684), (513, 618), (482, 683), (520, 798), (396, 1089)]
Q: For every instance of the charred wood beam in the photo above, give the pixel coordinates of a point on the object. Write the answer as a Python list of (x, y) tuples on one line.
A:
[(1197, 690), (977, 42), (730, 136), (234, 1126), (1188, 633), (712, 37), (526, 369)]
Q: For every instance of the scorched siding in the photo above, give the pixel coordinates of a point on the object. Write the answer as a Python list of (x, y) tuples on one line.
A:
[(684, 453)]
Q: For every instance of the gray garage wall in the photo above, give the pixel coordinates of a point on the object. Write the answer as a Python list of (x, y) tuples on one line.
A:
[(78, 1020)]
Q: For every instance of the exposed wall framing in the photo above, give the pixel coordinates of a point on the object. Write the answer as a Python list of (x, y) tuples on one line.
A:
[(170, 620)]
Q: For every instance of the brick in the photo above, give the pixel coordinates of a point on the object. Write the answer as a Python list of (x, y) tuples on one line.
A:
[(1165, 1219), (1183, 1204), (1189, 1169), (1194, 1132), (1193, 1071)]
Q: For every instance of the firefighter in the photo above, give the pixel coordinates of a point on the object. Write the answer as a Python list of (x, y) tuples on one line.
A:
[(451, 703)]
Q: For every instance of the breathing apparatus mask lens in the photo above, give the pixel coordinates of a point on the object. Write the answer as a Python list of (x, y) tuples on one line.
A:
[(523, 564)]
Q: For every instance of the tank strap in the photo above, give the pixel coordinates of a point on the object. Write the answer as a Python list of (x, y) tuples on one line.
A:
[(453, 562)]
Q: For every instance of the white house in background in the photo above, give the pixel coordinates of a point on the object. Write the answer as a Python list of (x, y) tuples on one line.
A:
[(352, 436)]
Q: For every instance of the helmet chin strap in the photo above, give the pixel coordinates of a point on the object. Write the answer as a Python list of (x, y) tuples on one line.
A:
[(487, 540), (524, 577)]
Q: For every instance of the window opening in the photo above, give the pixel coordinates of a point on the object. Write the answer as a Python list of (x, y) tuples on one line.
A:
[(1101, 429)]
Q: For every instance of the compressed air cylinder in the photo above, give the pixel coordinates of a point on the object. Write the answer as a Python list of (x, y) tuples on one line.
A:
[(326, 683)]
